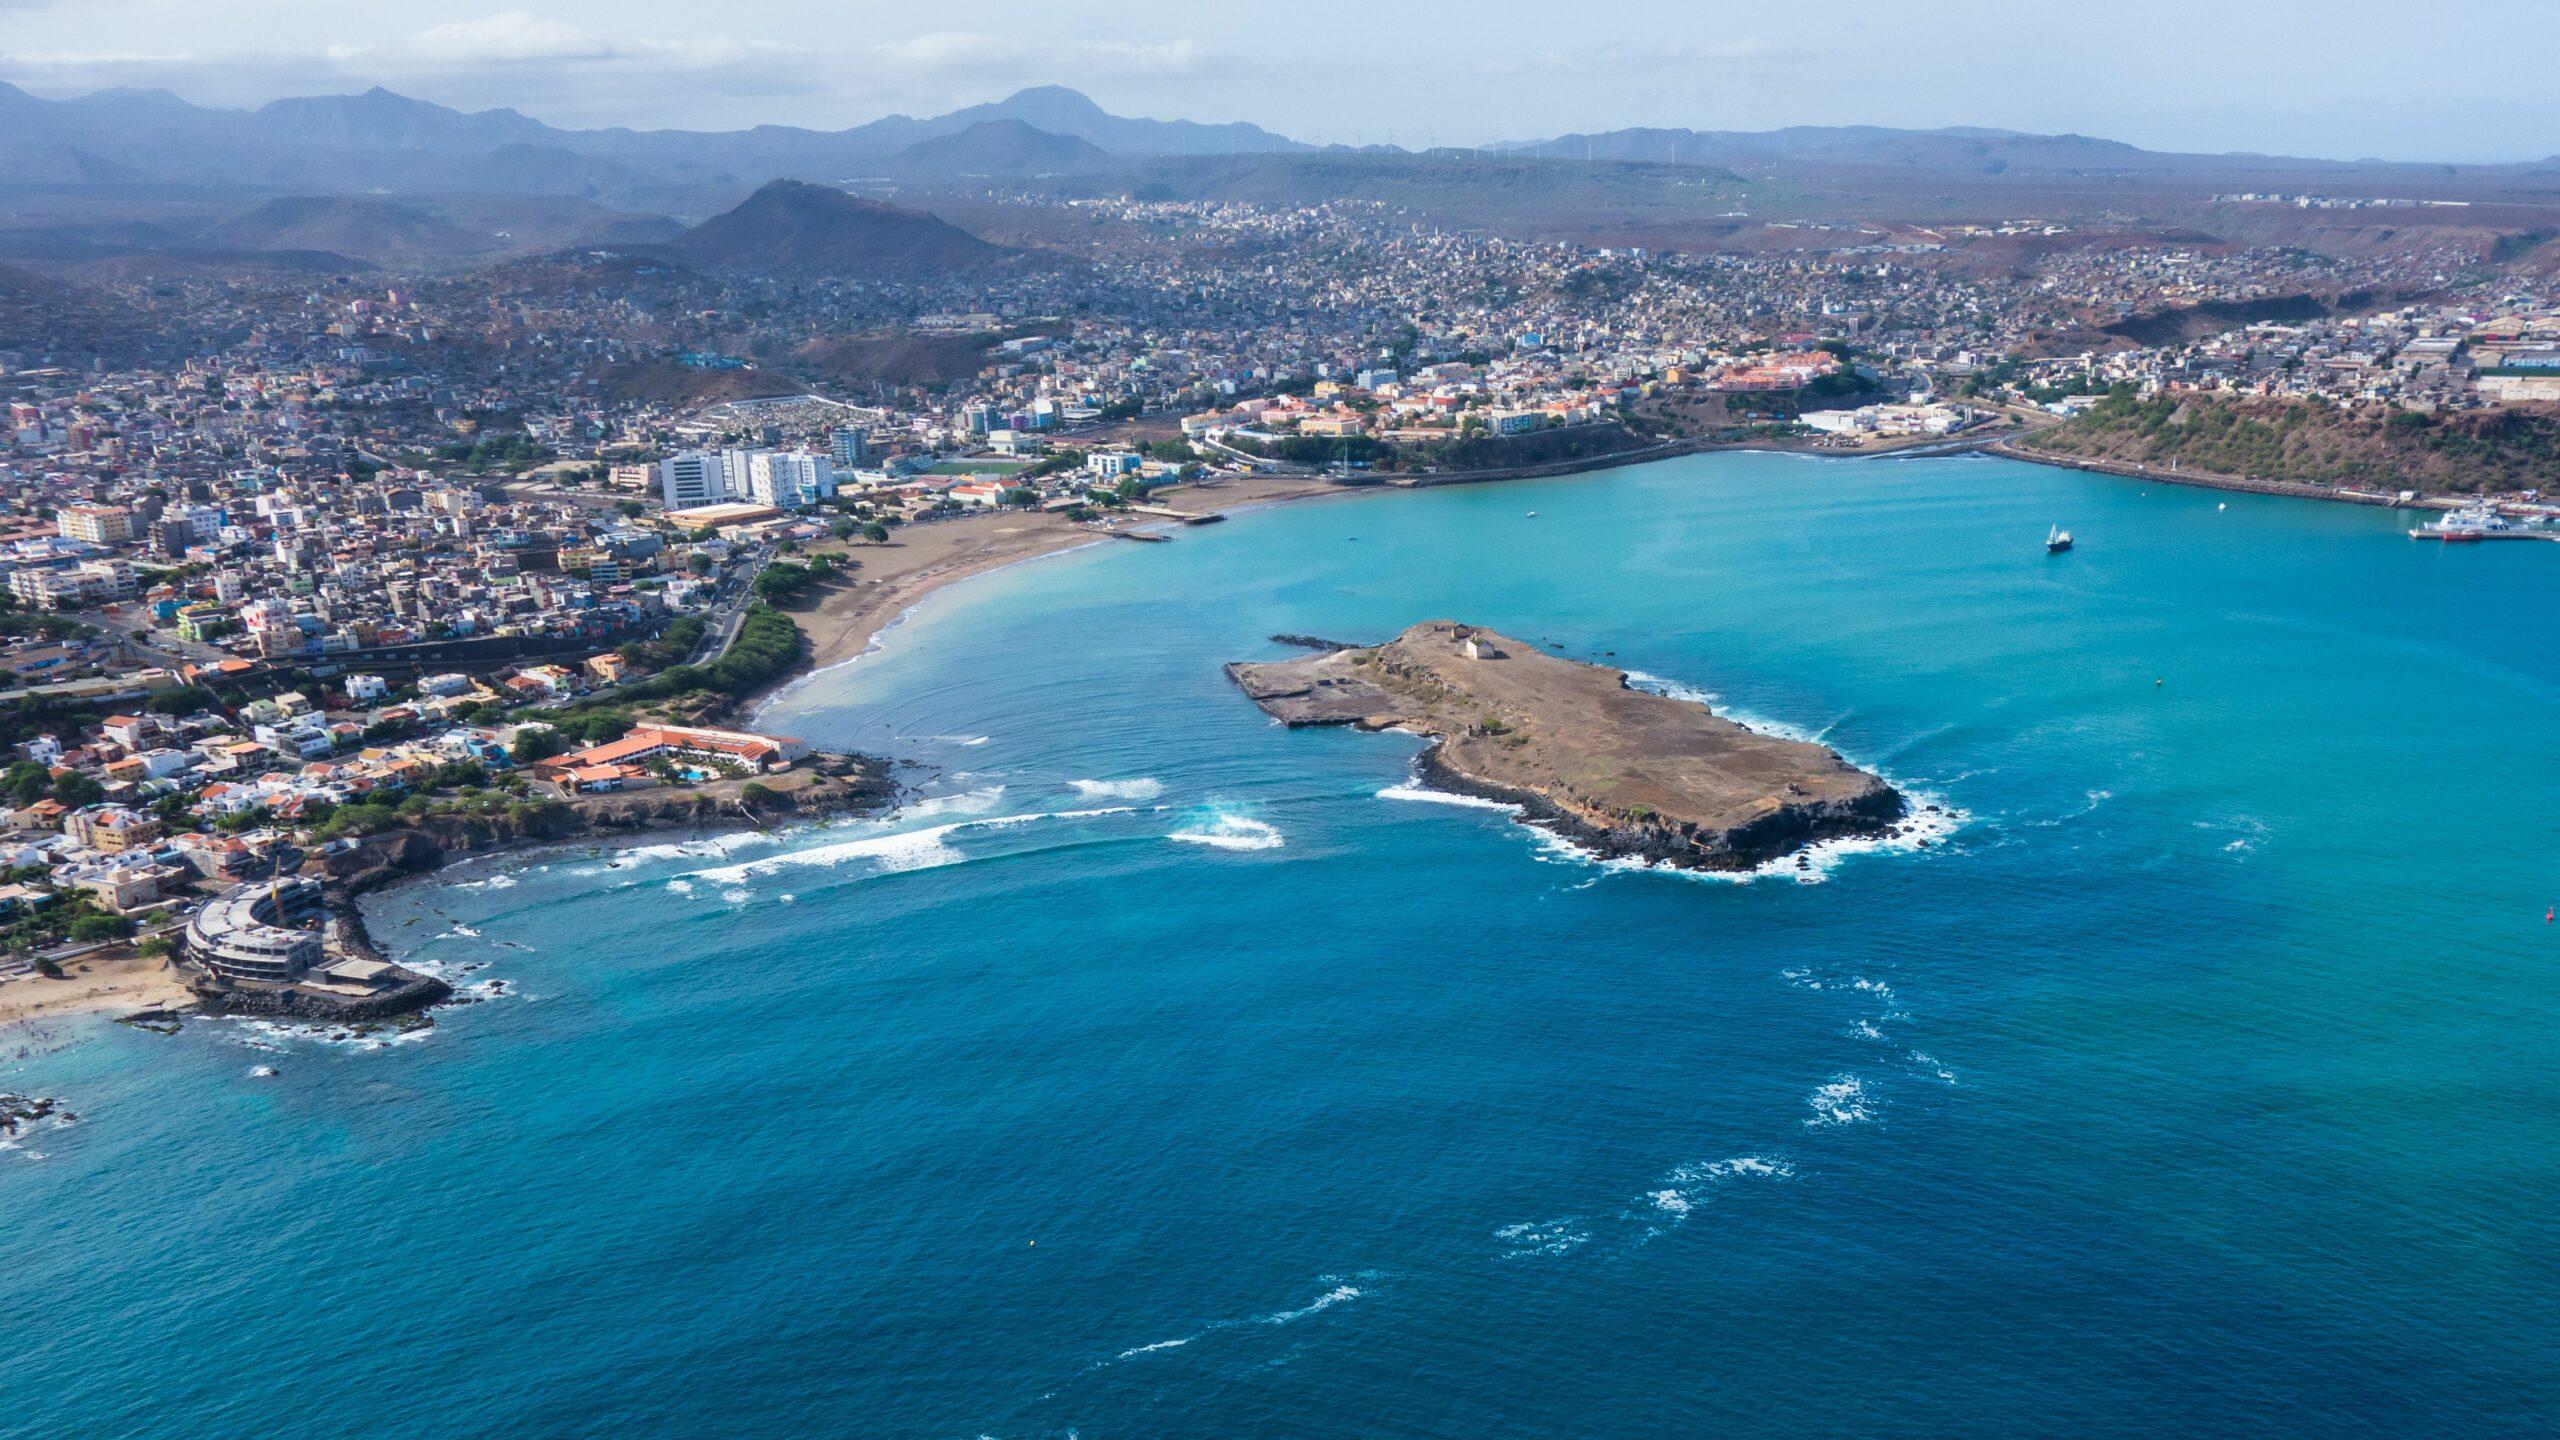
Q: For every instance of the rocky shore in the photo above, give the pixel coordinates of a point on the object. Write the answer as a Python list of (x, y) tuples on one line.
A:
[(17, 1112), (1623, 771), (822, 784)]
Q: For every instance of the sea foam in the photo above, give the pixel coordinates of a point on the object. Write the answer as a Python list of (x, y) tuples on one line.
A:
[(1424, 795), (1232, 832), (1326, 1301), (1138, 789), (1841, 1100)]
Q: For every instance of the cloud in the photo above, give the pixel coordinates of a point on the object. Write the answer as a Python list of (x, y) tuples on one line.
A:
[(948, 50), (511, 38), (516, 39), (570, 75), (1623, 60), (956, 54)]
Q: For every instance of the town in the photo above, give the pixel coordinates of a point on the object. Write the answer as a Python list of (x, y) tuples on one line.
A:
[(383, 548)]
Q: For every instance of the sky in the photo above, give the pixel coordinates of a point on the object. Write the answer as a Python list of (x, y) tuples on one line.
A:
[(2444, 80)]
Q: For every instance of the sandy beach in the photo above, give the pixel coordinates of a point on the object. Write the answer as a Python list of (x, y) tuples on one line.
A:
[(920, 559), (123, 985)]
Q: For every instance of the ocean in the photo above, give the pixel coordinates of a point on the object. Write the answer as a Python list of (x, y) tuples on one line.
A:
[(1162, 1072)]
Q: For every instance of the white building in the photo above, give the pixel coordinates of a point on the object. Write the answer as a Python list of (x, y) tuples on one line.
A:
[(693, 478), (789, 479)]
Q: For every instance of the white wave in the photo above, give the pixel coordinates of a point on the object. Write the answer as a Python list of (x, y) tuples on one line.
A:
[(1866, 1030), (2090, 801), (698, 848), (966, 802), (273, 1036), (1326, 1301), (1929, 1063), (1669, 689), (1424, 795), (1842, 1100), (1138, 789), (1135, 1351), (262, 1072), (494, 882), (1687, 1187), (737, 897), (679, 887), (2248, 830), (896, 852), (1928, 823), (1930, 820), (1233, 832), (1542, 1237)]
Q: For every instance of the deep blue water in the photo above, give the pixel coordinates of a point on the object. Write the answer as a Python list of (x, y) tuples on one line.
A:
[(2199, 1083)]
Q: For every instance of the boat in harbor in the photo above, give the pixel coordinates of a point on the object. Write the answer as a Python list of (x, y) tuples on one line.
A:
[(2057, 540), (2469, 524)]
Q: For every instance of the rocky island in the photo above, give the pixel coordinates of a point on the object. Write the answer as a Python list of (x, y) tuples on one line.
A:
[(1624, 771)]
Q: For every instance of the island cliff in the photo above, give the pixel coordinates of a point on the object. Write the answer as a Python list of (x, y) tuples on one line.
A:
[(1624, 771)]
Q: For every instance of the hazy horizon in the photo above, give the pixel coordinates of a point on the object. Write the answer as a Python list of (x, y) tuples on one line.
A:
[(2193, 77)]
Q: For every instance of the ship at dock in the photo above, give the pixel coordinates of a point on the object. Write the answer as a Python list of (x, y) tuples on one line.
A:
[(2473, 523)]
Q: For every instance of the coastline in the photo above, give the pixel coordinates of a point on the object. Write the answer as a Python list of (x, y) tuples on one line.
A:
[(845, 622), (131, 986), (892, 579), (125, 985), (2208, 480)]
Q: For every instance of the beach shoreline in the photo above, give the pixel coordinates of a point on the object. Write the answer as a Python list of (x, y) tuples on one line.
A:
[(125, 986), (845, 622), (893, 578)]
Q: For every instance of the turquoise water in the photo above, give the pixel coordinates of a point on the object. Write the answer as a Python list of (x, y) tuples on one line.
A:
[(2197, 1083)]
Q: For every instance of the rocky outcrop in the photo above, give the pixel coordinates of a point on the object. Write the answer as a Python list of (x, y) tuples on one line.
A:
[(822, 784), (410, 993), (20, 1111), (1627, 772)]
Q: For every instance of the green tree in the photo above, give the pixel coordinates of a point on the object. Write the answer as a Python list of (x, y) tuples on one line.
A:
[(535, 743), (89, 929), (27, 782), (75, 790)]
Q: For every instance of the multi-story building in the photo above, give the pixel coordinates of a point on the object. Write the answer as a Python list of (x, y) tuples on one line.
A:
[(789, 480), (92, 582), (693, 478), (95, 524)]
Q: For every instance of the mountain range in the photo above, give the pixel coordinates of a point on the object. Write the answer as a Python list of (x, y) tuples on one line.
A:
[(379, 142), (144, 181)]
